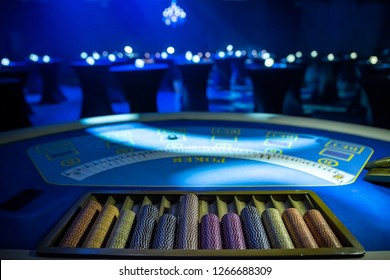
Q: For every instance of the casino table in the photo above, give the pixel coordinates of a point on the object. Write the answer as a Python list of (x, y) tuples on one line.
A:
[(46, 170)]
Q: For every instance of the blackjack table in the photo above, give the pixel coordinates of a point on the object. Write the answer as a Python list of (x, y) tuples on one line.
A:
[(221, 164)]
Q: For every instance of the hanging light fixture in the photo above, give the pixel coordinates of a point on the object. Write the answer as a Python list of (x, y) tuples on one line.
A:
[(174, 15)]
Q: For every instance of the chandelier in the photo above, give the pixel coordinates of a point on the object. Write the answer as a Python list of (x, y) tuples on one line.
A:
[(174, 15)]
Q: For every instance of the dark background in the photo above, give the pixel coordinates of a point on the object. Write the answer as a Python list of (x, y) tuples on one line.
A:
[(65, 28)]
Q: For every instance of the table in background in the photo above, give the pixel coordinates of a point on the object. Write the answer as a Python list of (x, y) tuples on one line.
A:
[(94, 85), (171, 76), (239, 72), (49, 74), (229, 71), (194, 77), (222, 72), (375, 79), (14, 110), (270, 85), (140, 85), (19, 70)]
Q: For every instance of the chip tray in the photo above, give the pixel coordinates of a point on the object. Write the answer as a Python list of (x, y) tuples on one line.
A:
[(258, 224)]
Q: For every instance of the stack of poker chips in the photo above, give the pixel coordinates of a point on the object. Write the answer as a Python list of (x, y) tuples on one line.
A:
[(232, 234), (255, 234), (297, 228), (102, 226), (211, 223), (210, 232), (276, 230), (144, 227), (79, 227), (122, 228), (187, 233), (320, 229), (164, 237)]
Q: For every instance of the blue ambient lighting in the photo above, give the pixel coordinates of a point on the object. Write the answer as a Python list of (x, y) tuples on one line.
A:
[(171, 50), (139, 63), (330, 57), (174, 15), (353, 55), (111, 57), (188, 55), (83, 55), (90, 60), (221, 54), (373, 59), (290, 58), (128, 50), (265, 55), (238, 53), (269, 62), (5, 61), (33, 57), (46, 59), (96, 55), (196, 58)]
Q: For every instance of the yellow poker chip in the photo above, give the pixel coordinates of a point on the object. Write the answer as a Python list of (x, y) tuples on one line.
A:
[(378, 175), (101, 227), (379, 163)]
